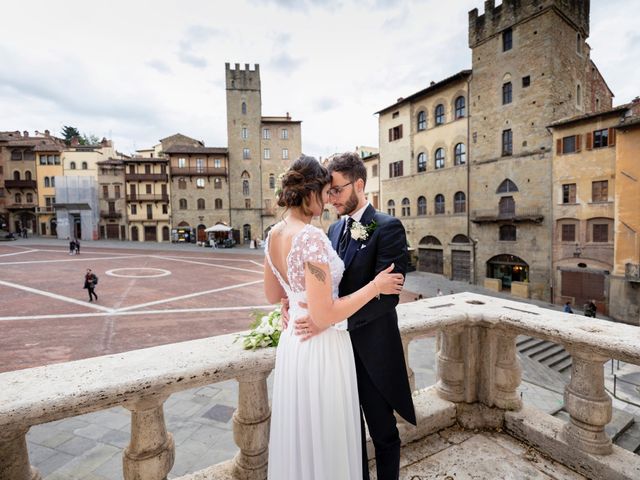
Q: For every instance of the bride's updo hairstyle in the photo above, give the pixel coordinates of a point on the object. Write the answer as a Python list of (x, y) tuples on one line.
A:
[(305, 177)]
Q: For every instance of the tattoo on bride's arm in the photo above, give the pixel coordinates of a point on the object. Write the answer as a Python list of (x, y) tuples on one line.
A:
[(317, 272)]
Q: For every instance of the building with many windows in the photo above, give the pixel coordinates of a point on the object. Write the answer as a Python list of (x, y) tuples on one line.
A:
[(112, 199), (48, 167)]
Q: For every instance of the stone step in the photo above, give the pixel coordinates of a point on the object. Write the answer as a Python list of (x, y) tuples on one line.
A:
[(630, 438), (548, 353), (551, 352), (540, 349), (554, 358), (536, 342), (522, 341), (564, 365)]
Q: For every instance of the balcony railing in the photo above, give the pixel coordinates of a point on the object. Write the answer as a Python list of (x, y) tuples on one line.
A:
[(112, 215), (148, 177), (531, 214), (45, 209), (190, 171), (20, 205), (20, 184), (147, 197), (478, 374)]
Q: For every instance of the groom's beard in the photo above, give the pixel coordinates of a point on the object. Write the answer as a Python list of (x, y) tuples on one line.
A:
[(351, 204)]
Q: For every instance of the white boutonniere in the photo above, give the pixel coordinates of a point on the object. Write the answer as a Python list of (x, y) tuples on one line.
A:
[(360, 232)]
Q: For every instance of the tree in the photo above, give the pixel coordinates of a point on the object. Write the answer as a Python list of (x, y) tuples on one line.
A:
[(68, 133), (90, 139)]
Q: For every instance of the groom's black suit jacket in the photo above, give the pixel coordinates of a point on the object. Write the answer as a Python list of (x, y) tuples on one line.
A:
[(374, 328)]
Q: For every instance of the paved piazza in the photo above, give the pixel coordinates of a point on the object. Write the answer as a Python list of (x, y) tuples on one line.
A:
[(145, 298)]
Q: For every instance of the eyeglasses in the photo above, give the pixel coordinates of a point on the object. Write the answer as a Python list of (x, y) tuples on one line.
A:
[(335, 191)]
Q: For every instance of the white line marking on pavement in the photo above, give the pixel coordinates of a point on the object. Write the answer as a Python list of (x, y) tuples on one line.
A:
[(190, 295), (70, 260), (56, 296), (261, 265), (88, 251), (208, 264), (221, 259), (17, 253), (139, 312)]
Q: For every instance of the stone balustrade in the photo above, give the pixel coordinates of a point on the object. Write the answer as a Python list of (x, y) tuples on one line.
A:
[(477, 380)]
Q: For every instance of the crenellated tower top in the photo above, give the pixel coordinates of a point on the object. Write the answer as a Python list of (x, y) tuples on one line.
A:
[(511, 12), (238, 78)]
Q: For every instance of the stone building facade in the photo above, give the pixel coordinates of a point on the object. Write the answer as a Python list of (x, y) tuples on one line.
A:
[(259, 149), (48, 167), (112, 199), (372, 187), (423, 171), (583, 179), (531, 67)]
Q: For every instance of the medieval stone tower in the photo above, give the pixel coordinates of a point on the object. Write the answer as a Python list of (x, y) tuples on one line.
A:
[(531, 67)]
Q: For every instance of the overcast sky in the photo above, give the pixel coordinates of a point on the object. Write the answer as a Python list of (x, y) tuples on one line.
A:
[(137, 70)]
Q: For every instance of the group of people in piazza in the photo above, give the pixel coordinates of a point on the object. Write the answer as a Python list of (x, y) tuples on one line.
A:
[(340, 360)]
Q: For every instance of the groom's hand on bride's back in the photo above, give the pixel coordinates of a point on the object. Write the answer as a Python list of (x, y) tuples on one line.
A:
[(304, 326)]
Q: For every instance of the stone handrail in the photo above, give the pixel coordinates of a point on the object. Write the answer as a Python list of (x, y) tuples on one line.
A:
[(477, 365)]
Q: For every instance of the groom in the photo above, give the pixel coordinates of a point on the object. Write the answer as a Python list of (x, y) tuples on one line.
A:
[(368, 242)]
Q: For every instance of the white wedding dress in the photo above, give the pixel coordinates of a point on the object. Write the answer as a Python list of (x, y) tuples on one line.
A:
[(315, 417)]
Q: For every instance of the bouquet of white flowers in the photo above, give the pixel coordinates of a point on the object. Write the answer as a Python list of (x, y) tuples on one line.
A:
[(265, 330)]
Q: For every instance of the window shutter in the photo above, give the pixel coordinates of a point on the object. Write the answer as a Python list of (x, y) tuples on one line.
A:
[(391, 134), (612, 137), (578, 143), (391, 170), (400, 134), (559, 146), (589, 140)]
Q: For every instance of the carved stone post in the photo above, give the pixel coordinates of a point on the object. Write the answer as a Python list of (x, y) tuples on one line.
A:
[(14, 457), (508, 372), (251, 427), (588, 404), (151, 451), (450, 365)]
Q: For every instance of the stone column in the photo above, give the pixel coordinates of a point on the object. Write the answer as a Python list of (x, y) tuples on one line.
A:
[(508, 372), (588, 404), (151, 451), (14, 457), (251, 427), (450, 364)]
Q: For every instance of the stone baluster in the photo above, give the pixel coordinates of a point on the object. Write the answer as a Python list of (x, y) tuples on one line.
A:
[(450, 365), (251, 427), (588, 404), (508, 372), (406, 340), (14, 457), (151, 451)]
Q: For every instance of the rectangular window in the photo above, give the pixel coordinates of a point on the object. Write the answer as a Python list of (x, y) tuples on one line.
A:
[(182, 162), (285, 153), (571, 144), (246, 154), (134, 209), (267, 153), (395, 133), (374, 170), (569, 193), (601, 138), (395, 114), (199, 165), (507, 142), (117, 191), (507, 40), (395, 169), (217, 163), (147, 169), (247, 203), (600, 232), (526, 81), (266, 133), (148, 187), (245, 133), (600, 191), (43, 159), (568, 233), (507, 91), (165, 208), (105, 191), (149, 212), (112, 207), (285, 134)]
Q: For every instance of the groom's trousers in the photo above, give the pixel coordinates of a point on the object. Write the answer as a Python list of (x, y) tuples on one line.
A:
[(382, 428)]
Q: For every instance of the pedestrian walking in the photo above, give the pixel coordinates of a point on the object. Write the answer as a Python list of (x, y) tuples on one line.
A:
[(590, 309), (567, 308), (72, 247), (90, 282), (440, 293), (77, 245)]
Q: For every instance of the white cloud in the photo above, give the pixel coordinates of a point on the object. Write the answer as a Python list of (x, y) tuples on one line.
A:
[(139, 71)]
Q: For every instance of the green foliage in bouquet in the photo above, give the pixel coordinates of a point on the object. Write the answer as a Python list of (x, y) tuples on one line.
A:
[(265, 330)]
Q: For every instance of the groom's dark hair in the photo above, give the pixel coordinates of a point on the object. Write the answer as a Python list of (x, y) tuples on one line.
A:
[(348, 164)]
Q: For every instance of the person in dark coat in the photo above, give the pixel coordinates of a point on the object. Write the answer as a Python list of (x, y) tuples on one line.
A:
[(90, 282), (77, 245), (72, 247)]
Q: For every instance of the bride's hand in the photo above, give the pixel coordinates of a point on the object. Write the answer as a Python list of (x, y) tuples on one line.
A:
[(389, 283), (304, 326)]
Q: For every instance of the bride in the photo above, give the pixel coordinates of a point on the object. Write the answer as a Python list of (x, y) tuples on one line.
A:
[(315, 420)]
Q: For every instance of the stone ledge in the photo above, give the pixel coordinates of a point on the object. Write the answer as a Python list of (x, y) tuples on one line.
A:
[(544, 433)]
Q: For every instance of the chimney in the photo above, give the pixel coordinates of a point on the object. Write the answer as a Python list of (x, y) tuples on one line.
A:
[(26, 133), (399, 99), (47, 133), (75, 141), (288, 116), (432, 83)]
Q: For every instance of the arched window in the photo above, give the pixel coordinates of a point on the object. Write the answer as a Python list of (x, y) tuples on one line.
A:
[(18, 198), (245, 188), (422, 120), (439, 204), (439, 160), (200, 182), (506, 207), (459, 202), (29, 197), (507, 186), (422, 162), (182, 184), (507, 93), (27, 175), (459, 154), (16, 175), (84, 165), (272, 181), (218, 204), (244, 108), (406, 207), (440, 114), (460, 107), (183, 203), (459, 238), (507, 233), (53, 181), (200, 204), (245, 174), (217, 183), (391, 208), (578, 96), (47, 182), (422, 205), (72, 166)]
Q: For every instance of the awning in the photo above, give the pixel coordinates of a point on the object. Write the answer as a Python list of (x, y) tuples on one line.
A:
[(218, 228)]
